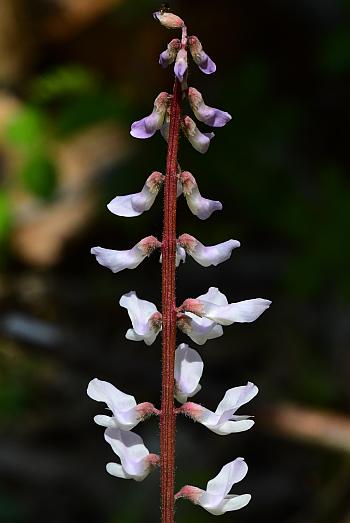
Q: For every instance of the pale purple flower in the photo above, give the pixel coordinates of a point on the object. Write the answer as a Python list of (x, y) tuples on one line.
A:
[(200, 330), (169, 20), (205, 64), (146, 320), (168, 56), (199, 206), (206, 256), (214, 306), (224, 420), (216, 498), (188, 371), (208, 115), (135, 460), (146, 127), (126, 414), (180, 67), (117, 261), (137, 203), (199, 141)]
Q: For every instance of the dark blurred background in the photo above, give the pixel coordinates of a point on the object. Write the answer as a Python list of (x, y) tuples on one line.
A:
[(74, 74)]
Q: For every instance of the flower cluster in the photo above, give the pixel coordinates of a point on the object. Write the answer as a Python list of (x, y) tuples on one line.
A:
[(201, 318)]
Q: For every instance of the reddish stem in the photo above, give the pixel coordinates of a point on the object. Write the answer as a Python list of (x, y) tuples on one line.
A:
[(167, 416)]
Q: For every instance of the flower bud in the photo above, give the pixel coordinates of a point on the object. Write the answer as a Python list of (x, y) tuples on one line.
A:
[(180, 68), (169, 20), (199, 141), (208, 115), (168, 56), (205, 64)]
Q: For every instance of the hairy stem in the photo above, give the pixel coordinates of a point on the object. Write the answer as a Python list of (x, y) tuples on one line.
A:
[(168, 416)]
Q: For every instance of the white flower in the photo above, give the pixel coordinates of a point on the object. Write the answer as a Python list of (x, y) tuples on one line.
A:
[(117, 261), (145, 319), (126, 414), (224, 421), (199, 206), (216, 498), (137, 203), (135, 460), (211, 255), (198, 329), (214, 306), (188, 371)]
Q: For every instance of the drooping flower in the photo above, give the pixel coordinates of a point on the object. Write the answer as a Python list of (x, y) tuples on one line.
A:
[(208, 115), (168, 56), (135, 460), (205, 64), (126, 413), (168, 20), (200, 330), (146, 320), (214, 306), (117, 261), (188, 371), (224, 420), (206, 256), (216, 498), (201, 207), (199, 141), (135, 204), (146, 127), (180, 68)]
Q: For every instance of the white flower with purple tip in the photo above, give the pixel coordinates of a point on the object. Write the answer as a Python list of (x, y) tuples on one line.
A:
[(214, 306), (135, 204), (224, 420), (201, 207), (205, 64), (210, 255), (135, 460), (188, 371), (146, 320), (146, 127), (126, 413), (199, 141), (216, 498), (168, 56), (117, 261), (208, 115)]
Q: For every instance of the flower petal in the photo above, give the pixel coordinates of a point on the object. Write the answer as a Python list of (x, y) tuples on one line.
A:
[(188, 371), (208, 115), (241, 312), (205, 64), (199, 141), (199, 206), (236, 397), (198, 329), (230, 474), (180, 68), (206, 256), (135, 204), (131, 451), (145, 318), (146, 127), (168, 56)]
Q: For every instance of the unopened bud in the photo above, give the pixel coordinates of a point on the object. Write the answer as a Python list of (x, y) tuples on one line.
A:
[(205, 64), (169, 20), (180, 68), (168, 56)]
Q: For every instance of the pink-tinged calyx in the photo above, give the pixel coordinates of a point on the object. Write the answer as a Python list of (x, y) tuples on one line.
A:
[(208, 115), (146, 127), (199, 141), (204, 62), (135, 204), (168, 56)]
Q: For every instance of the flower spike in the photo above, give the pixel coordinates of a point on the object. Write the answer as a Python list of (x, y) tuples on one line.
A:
[(208, 115), (117, 261), (137, 203), (224, 420), (146, 320), (199, 206), (199, 141), (205, 64), (188, 371), (147, 127), (126, 414), (135, 460), (216, 498), (206, 256)]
